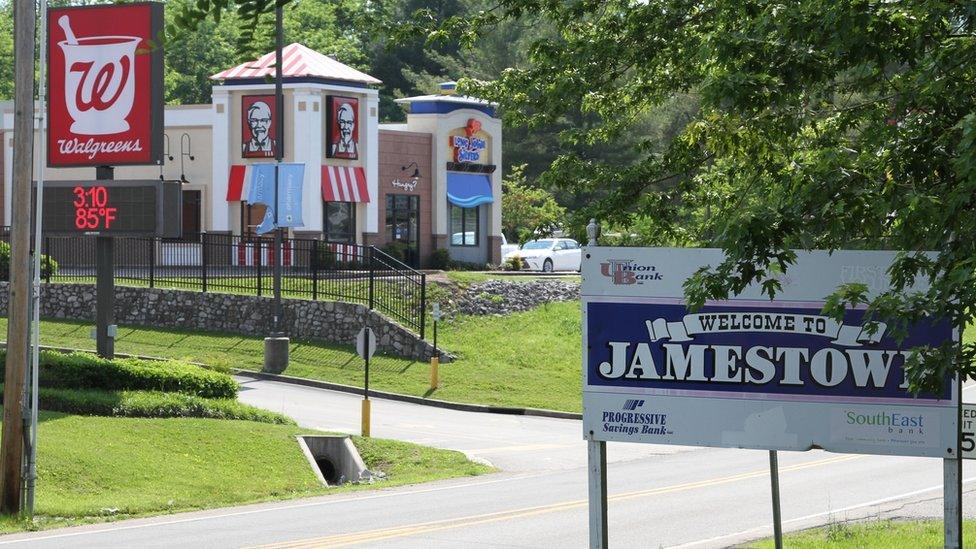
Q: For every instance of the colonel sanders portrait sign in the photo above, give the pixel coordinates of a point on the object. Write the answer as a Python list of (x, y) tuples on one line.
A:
[(105, 81), (343, 126), (259, 124)]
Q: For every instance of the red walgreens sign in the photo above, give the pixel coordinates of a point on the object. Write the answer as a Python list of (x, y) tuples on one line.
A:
[(105, 85)]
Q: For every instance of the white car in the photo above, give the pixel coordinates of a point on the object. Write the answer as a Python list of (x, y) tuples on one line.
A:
[(506, 247), (550, 254)]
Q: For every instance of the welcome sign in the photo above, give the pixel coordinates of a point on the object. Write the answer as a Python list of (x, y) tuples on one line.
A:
[(750, 372)]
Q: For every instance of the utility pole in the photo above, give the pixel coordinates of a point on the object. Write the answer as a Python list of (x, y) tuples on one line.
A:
[(18, 326)]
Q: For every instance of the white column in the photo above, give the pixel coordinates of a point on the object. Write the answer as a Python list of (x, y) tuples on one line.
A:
[(307, 109), (220, 219), (495, 226), (372, 161)]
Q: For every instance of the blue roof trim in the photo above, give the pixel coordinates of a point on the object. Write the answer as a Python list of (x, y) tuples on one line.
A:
[(295, 80), (445, 107), (468, 190)]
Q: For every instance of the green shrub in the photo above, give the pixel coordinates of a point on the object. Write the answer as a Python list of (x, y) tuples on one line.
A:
[(153, 404), (87, 371), (49, 267), (469, 266), (513, 263), (440, 259), (397, 250)]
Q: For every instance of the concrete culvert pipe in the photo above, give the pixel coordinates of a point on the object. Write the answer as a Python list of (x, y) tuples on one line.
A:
[(334, 459), (329, 471)]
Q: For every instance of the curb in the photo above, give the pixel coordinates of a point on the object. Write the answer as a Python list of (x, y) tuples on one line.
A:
[(460, 406)]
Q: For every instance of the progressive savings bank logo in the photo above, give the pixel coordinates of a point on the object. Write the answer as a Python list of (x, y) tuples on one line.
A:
[(627, 271)]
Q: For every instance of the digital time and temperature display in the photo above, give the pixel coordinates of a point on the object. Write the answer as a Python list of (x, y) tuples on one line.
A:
[(92, 211), (106, 208)]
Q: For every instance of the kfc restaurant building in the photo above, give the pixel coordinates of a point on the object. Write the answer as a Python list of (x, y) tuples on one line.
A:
[(432, 182)]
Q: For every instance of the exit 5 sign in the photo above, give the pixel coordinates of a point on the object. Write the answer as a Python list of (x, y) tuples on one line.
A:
[(144, 207)]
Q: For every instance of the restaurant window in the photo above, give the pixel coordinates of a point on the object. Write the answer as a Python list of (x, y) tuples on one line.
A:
[(464, 226), (340, 222)]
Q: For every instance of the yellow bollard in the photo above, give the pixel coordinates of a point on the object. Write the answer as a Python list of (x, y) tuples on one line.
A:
[(365, 417), (434, 362)]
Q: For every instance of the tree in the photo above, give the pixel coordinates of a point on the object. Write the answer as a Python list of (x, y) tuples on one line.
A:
[(6, 49), (191, 58), (528, 212), (820, 124)]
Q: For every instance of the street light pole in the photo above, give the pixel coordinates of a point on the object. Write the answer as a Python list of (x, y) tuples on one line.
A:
[(276, 345), (279, 154)]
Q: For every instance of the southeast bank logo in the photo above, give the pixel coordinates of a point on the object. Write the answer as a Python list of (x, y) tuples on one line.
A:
[(626, 271)]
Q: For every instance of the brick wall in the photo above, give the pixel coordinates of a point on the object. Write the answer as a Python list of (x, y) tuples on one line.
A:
[(398, 149)]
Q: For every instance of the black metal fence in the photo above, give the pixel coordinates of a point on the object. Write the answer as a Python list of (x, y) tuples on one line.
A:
[(311, 269)]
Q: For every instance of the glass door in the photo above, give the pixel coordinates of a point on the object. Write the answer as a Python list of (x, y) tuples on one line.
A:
[(403, 227)]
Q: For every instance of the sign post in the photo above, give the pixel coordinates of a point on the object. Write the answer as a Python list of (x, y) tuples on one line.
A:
[(597, 489), (774, 489), (751, 372), (106, 109), (365, 347), (435, 359), (104, 283)]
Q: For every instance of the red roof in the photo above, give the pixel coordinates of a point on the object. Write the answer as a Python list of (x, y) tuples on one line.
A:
[(297, 61)]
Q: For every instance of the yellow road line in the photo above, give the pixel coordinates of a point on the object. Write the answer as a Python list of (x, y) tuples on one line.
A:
[(342, 540)]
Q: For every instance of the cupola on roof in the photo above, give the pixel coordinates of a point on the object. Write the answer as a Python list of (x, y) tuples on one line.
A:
[(298, 61)]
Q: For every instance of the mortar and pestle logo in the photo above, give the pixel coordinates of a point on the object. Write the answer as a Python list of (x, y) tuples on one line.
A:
[(99, 80)]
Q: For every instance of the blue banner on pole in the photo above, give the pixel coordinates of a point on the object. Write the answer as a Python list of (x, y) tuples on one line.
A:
[(261, 189), (267, 224), (290, 180)]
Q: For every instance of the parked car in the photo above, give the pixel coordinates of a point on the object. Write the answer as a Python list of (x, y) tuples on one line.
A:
[(506, 247), (550, 254)]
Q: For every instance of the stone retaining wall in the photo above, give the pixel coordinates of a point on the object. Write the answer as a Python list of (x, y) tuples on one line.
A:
[(331, 321)]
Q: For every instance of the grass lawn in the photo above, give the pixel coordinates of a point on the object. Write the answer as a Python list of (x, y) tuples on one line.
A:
[(528, 359), (871, 535), (92, 469)]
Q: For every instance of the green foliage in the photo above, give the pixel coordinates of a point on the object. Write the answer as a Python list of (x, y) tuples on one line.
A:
[(92, 402), (6, 49), (440, 259), (814, 125), (49, 266), (87, 371), (528, 212), (397, 250), (513, 263)]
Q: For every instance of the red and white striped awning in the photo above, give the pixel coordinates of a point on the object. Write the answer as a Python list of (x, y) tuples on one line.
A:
[(297, 61), (237, 182), (344, 184)]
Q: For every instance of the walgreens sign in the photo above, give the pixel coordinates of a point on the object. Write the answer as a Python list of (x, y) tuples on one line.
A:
[(105, 82)]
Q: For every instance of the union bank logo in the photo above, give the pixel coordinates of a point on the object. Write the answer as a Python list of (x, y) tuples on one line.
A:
[(626, 271)]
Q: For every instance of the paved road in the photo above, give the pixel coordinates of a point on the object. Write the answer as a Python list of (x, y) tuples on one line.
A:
[(660, 495)]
